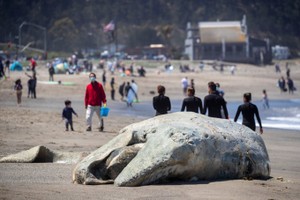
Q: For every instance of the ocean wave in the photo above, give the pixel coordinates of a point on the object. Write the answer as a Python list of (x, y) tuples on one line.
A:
[(286, 119), (282, 126)]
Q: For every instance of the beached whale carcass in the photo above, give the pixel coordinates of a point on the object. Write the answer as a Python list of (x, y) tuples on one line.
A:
[(182, 145)]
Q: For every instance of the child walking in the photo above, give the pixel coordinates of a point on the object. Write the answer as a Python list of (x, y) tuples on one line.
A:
[(265, 100), (18, 88), (67, 115)]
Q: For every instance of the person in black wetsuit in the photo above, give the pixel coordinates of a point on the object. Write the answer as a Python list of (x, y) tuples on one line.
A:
[(192, 103), (248, 111), (213, 102), (161, 103)]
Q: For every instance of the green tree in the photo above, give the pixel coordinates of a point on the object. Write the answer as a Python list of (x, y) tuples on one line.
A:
[(276, 19), (64, 34), (165, 31)]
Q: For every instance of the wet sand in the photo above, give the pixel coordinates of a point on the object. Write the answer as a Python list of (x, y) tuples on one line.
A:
[(38, 122)]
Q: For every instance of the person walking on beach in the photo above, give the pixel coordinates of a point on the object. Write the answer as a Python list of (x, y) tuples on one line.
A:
[(277, 68), (290, 84), (33, 65), (131, 69), (18, 88), (288, 71), (132, 90), (222, 94), (185, 84), (2, 73), (213, 102), (265, 100), (127, 87), (7, 64), (67, 115), (248, 111), (31, 85), (104, 78), (192, 103), (161, 103), (112, 86), (121, 90), (51, 72), (94, 98), (192, 84), (201, 66), (232, 69)]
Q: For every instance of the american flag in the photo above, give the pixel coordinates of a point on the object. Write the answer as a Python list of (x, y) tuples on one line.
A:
[(109, 27)]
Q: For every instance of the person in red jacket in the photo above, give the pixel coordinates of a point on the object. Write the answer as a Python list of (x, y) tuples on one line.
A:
[(94, 98), (33, 65)]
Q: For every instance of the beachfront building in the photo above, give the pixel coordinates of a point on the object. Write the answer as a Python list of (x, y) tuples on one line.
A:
[(226, 41)]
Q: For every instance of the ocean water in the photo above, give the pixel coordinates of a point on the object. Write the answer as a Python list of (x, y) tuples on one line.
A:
[(282, 114)]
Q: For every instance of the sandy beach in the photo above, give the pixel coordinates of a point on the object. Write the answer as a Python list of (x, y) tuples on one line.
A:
[(38, 122)]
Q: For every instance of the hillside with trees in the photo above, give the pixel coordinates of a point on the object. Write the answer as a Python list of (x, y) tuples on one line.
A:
[(73, 25)]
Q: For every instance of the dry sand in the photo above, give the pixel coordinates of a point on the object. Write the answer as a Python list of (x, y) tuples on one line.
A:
[(38, 122)]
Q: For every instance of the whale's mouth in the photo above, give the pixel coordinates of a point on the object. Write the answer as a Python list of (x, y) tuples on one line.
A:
[(109, 168)]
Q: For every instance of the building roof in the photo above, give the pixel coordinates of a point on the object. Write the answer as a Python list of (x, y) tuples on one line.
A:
[(216, 32)]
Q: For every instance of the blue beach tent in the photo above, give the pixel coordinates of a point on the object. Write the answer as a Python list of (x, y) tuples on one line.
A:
[(16, 66)]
